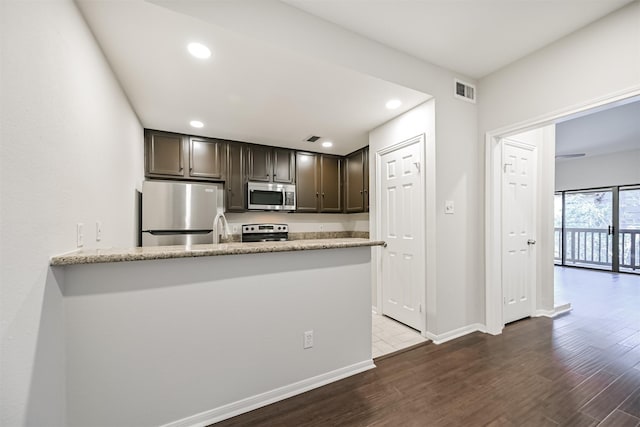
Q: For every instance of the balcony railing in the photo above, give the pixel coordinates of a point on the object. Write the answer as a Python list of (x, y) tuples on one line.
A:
[(630, 249), (587, 246), (593, 246)]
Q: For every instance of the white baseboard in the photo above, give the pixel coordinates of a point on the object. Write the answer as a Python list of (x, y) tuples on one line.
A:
[(456, 333), (254, 402), (561, 309)]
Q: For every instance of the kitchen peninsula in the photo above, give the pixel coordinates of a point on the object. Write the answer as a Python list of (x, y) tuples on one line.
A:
[(206, 332), (93, 256)]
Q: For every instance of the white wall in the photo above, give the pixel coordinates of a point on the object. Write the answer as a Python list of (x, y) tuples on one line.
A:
[(594, 62), (458, 155), (71, 152), (598, 171), (154, 342)]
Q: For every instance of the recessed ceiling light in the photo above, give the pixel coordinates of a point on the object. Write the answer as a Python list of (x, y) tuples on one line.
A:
[(393, 104), (199, 50), (196, 123), (327, 144)]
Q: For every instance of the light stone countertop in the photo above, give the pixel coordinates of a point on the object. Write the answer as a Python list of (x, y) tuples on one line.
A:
[(92, 256)]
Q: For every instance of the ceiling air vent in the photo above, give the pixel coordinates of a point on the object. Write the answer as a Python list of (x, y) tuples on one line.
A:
[(464, 91), (313, 138)]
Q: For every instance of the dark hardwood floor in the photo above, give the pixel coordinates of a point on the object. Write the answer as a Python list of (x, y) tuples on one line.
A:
[(580, 369)]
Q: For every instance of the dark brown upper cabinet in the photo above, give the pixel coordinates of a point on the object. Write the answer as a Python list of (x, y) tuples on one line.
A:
[(270, 164), (324, 182), (284, 162), (318, 182), (164, 154), (236, 178), (330, 183), (307, 185), (366, 179), (357, 181), (170, 155), (205, 158)]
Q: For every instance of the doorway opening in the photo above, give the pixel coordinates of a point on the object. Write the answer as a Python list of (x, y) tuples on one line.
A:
[(401, 190), (403, 215), (550, 244)]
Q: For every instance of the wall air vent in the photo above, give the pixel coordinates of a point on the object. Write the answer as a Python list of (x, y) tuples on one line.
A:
[(464, 91), (313, 138)]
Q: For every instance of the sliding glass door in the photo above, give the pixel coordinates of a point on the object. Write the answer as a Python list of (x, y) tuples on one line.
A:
[(588, 228), (598, 228), (629, 230), (558, 203)]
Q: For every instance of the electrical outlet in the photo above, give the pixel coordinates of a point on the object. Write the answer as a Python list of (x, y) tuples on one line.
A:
[(308, 339), (80, 234), (98, 231)]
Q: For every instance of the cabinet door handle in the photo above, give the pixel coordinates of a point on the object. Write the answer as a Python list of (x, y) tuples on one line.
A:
[(323, 194), (317, 194), (361, 191)]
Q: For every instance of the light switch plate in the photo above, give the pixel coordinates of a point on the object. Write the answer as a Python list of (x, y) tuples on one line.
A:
[(448, 207), (80, 234)]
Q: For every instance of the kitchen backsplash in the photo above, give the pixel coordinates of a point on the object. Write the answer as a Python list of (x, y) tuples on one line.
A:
[(302, 223)]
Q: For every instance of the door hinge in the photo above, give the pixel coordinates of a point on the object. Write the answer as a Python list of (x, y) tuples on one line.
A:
[(419, 308), (504, 300)]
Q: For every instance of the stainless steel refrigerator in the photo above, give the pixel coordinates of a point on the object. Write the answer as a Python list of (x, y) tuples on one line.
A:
[(176, 213)]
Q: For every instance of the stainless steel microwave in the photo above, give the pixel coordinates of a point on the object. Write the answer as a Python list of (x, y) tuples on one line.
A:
[(270, 196)]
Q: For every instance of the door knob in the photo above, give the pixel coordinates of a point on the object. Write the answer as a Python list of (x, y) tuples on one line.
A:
[(531, 242)]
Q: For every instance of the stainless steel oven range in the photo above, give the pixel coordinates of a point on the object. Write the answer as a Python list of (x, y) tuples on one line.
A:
[(265, 232)]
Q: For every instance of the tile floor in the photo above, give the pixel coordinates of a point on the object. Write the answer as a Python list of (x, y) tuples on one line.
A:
[(390, 336)]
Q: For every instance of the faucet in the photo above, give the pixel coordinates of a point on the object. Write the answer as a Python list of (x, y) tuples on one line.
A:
[(225, 227)]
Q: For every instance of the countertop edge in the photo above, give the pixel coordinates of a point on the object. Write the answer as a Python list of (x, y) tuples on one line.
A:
[(101, 256)]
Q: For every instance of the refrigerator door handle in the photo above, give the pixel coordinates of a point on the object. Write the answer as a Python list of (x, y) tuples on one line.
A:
[(172, 232)]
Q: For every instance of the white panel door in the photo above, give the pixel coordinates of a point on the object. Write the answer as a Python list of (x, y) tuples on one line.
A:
[(402, 216), (518, 229)]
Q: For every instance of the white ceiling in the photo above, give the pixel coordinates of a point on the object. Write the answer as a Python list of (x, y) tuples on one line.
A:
[(610, 130), (247, 91), (472, 37), (250, 90)]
